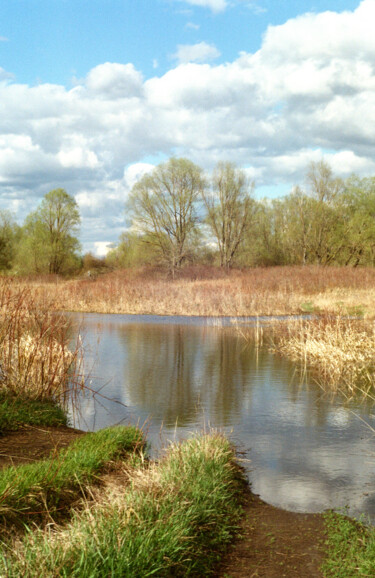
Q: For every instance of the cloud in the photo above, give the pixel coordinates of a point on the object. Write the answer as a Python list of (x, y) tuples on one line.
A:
[(201, 52), (308, 92), (193, 26), (214, 5), (102, 248), (114, 80), (5, 76)]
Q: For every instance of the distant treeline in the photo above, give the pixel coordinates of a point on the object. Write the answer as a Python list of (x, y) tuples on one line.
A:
[(177, 215)]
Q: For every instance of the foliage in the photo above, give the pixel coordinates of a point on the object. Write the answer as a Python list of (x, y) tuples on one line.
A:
[(49, 243), (132, 250), (9, 235), (178, 218)]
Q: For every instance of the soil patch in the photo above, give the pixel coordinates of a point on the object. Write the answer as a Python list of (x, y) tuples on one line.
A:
[(33, 443), (275, 544)]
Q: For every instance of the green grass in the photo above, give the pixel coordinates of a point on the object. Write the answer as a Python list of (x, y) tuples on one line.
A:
[(16, 412), (42, 485), (173, 518), (350, 548)]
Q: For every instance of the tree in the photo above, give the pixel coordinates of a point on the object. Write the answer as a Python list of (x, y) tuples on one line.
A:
[(132, 250), (163, 208), (230, 209), (357, 223), (9, 234), (49, 244), (325, 191)]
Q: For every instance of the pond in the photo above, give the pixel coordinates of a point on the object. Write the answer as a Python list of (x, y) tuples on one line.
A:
[(303, 450)]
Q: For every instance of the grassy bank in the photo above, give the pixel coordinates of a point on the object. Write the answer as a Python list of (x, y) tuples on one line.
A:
[(172, 518), (350, 548), (212, 291), (43, 485), (16, 412)]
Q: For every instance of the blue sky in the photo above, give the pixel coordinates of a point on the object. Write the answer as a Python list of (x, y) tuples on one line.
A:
[(94, 92), (57, 40)]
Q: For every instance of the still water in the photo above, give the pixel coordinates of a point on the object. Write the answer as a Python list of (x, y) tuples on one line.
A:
[(306, 452)]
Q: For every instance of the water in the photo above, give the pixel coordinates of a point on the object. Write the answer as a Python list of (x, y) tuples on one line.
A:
[(307, 452)]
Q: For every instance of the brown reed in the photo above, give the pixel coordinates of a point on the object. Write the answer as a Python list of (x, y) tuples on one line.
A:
[(338, 351), (36, 360), (210, 291)]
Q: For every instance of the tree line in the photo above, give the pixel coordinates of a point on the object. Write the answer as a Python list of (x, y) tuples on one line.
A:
[(177, 215)]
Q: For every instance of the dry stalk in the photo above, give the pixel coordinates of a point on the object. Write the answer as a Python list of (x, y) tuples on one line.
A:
[(35, 359)]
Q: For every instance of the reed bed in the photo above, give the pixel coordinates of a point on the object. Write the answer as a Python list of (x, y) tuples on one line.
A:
[(214, 292), (172, 518), (338, 351), (36, 361)]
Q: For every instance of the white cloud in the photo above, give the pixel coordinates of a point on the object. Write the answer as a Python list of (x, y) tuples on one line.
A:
[(193, 26), (308, 91), (114, 80), (214, 5), (200, 52), (136, 171), (5, 76), (102, 248)]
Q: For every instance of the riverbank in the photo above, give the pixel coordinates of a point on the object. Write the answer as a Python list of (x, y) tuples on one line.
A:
[(256, 540), (267, 546), (135, 518), (273, 542)]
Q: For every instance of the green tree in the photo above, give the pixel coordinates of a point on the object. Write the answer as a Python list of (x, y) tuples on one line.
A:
[(132, 250), (9, 235), (230, 209), (357, 222), (49, 243), (163, 207), (323, 244)]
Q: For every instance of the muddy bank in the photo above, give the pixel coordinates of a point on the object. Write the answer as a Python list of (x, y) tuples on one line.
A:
[(33, 443), (274, 543)]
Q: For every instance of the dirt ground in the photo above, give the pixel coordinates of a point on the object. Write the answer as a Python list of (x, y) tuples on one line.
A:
[(273, 543), (33, 443)]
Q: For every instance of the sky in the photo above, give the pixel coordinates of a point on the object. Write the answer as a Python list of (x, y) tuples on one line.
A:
[(94, 93)]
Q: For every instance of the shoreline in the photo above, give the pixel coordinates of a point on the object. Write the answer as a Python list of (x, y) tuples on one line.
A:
[(266, 535)]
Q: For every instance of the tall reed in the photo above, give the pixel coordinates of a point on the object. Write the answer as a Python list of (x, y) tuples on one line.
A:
[(339, 350), (35, 359), (210, 291)]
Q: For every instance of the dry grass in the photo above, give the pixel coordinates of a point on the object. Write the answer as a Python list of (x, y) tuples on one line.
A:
[(35, 360), (209, 291), (339, 351)]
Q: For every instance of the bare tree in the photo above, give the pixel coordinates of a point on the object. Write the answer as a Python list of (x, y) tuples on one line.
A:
[(163, 207), (230, 209), (324, 191)]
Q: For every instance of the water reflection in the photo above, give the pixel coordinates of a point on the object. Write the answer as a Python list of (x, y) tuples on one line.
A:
[(307, 451)]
